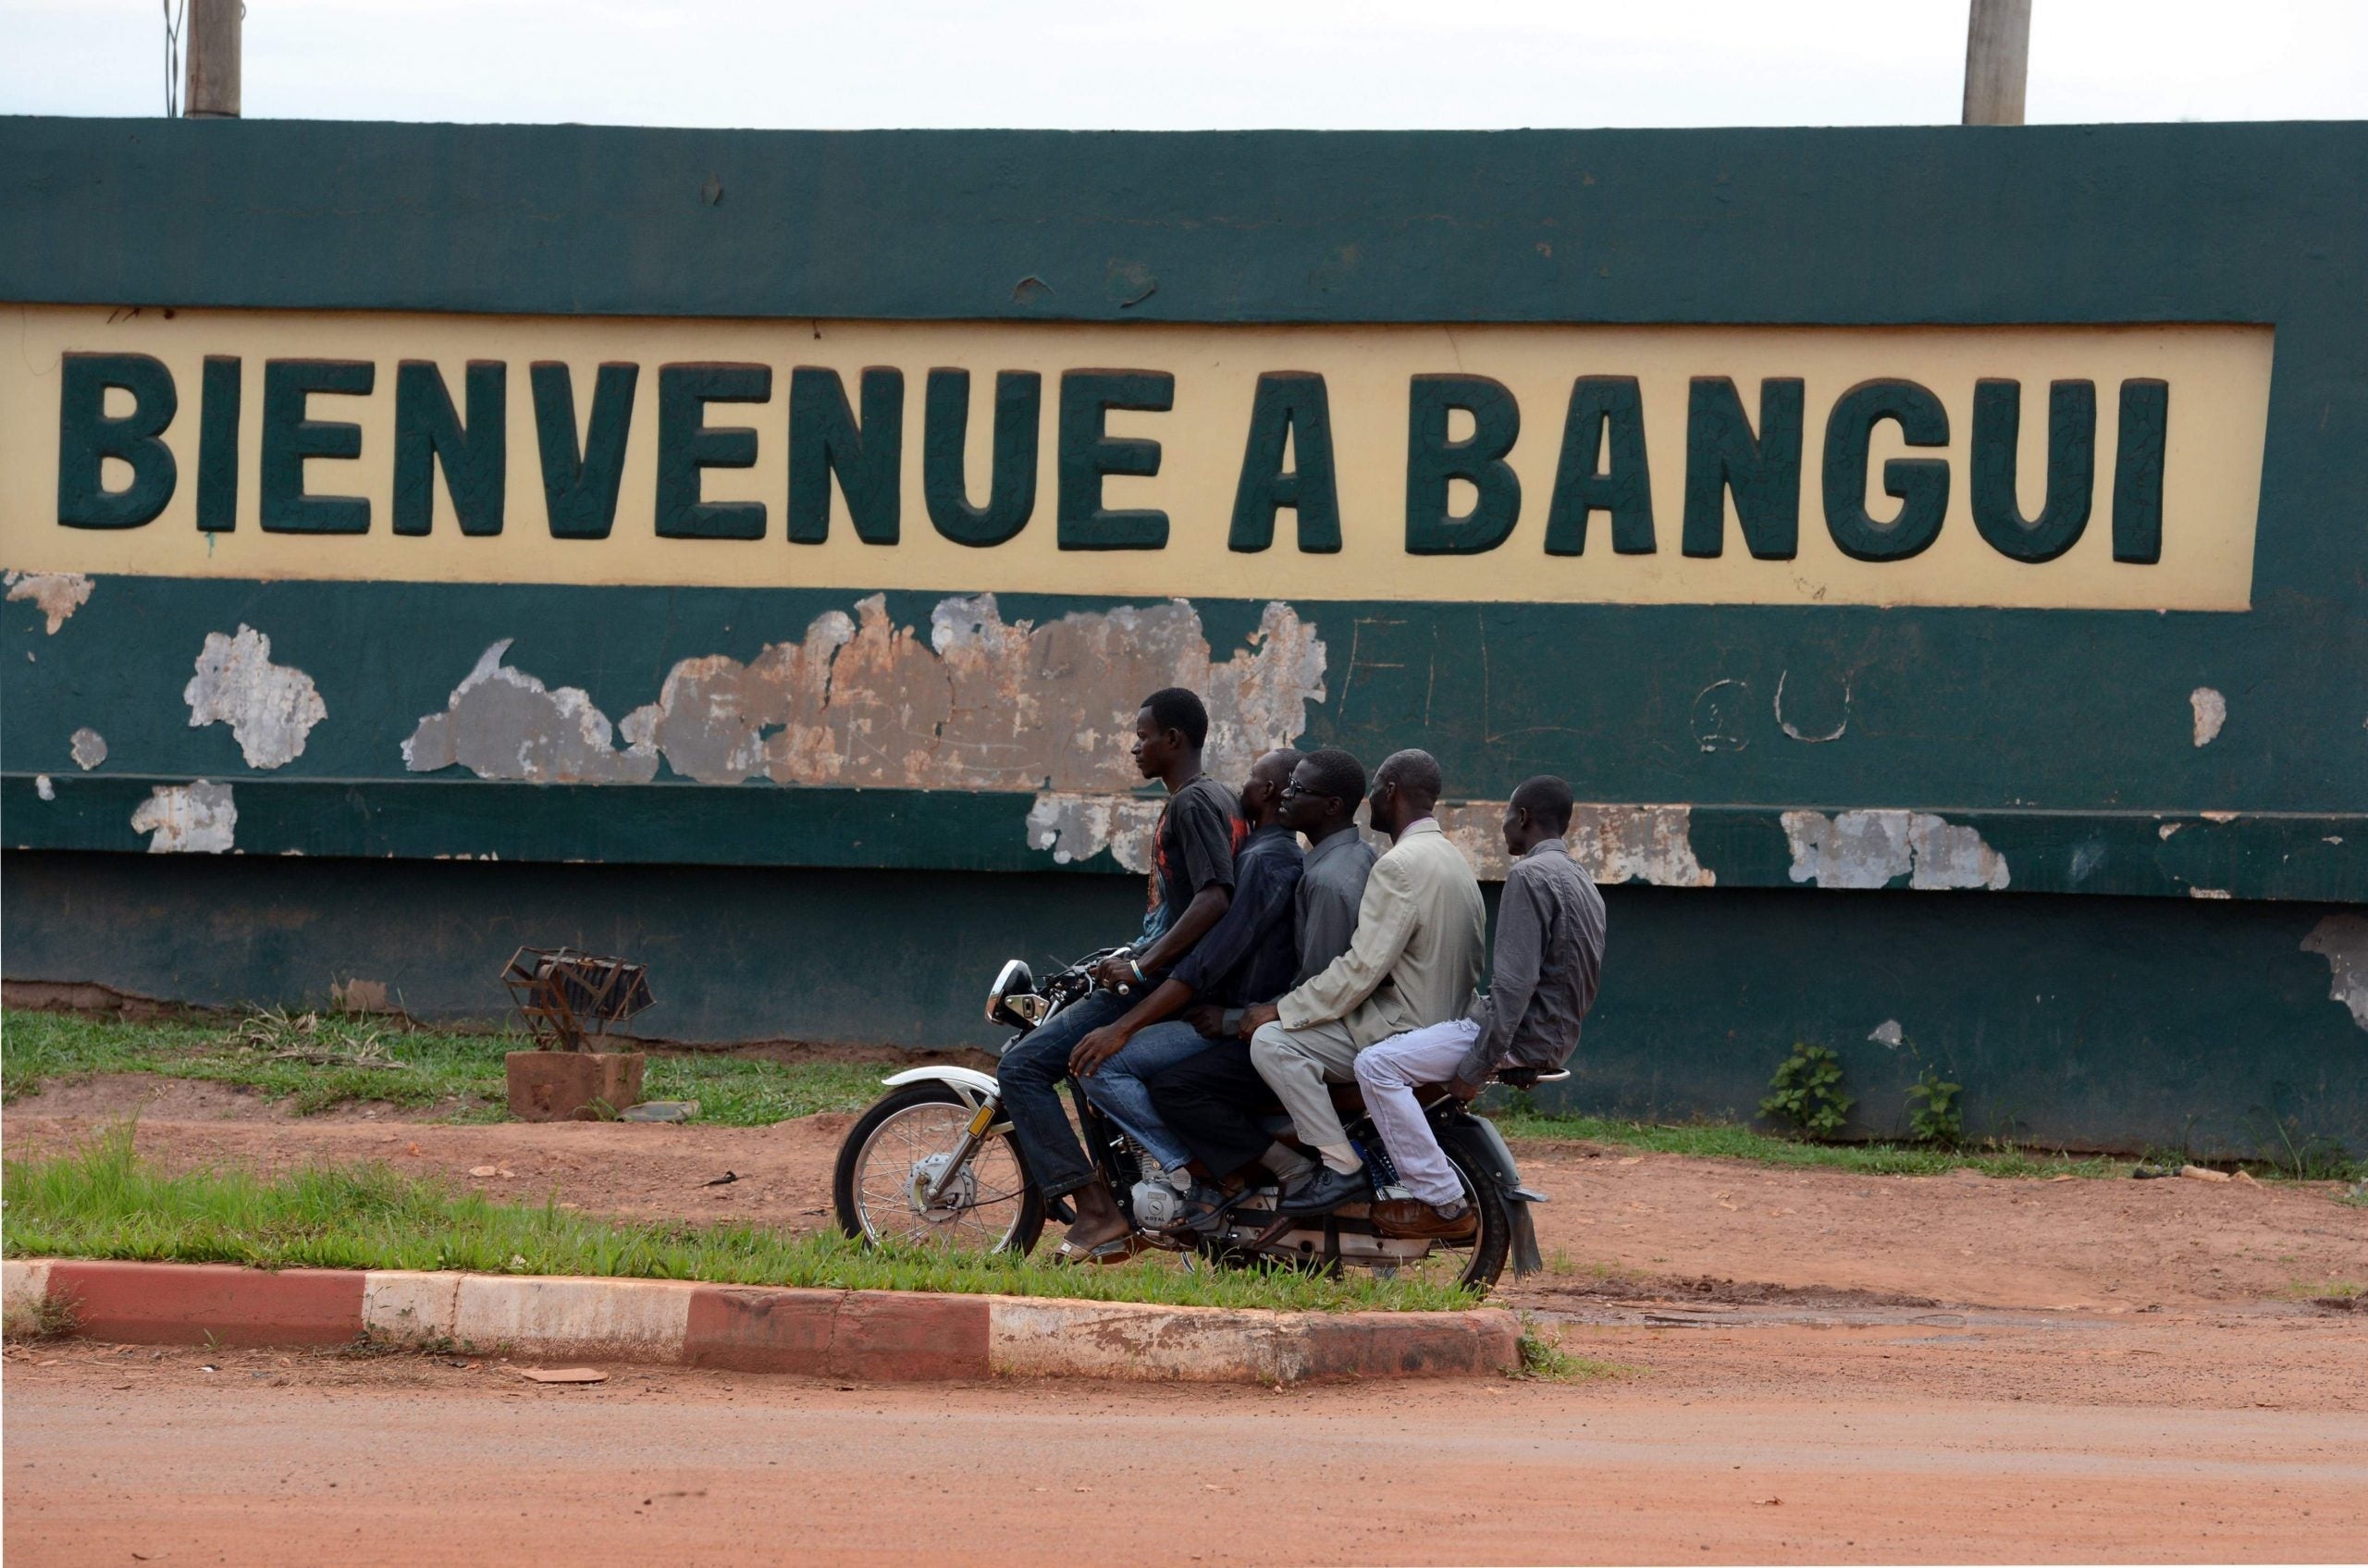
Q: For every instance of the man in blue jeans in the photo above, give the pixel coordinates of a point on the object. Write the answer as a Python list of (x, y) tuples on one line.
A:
[(1198, 834), (1250, 956)]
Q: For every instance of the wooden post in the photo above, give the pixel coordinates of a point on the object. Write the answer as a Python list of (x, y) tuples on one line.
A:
[(213, 53), (1997, 61)]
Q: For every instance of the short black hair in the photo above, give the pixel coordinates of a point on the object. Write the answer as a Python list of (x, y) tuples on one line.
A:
[(1338, 774), (1292, 759), (1415, 772), (1173, 708), (1547, 799)]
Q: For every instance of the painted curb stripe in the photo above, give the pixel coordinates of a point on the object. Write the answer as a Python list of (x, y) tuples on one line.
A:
[(636, 1319), (144, 1303), (884, 1335), (873, 1334), (24, 1284)]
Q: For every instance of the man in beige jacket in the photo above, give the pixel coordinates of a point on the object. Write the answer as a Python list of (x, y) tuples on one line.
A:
[(1422, 936)]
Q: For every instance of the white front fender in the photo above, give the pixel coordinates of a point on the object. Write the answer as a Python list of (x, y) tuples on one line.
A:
[(969, 1082)]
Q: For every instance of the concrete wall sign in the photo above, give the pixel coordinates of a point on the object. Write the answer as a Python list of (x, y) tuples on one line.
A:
[(1931, 555), (2106, 468)]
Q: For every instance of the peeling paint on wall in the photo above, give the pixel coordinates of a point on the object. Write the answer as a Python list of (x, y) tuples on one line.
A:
[(2210, 712), (44, 788), (90, 748), (2342, 940), (857, 700), (1077, 827), (2209, 893), (1613, 844), (1887, 1033), (57, 594), (192, 818), (1868, 850), (270, 708), (503, 723)]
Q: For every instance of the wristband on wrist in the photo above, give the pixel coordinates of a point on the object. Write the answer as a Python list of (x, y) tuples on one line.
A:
[(1140, 978)]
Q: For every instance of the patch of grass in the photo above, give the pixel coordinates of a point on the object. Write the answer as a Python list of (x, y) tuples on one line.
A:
[(105, 1201), (1543, 1360), (321, 1061), (2325, 1290), (1724, 1141), (2357, 1197)]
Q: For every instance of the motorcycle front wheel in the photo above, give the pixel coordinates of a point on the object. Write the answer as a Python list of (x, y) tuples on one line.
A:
[(893, 1154)]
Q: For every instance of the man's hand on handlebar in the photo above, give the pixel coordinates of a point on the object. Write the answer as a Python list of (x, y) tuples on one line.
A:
[(1096, 1048), (1117, 971)]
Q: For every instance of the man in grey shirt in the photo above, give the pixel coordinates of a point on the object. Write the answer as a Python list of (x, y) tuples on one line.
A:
[(1549, 958)]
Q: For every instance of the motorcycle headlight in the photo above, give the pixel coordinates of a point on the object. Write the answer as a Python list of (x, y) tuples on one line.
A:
[(1013, 1000)]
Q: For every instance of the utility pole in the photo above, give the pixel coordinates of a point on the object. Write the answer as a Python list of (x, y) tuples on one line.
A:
[(213, 54), (1997, 61)]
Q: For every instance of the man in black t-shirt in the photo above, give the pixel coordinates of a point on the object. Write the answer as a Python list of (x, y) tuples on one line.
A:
[(1198, 833)]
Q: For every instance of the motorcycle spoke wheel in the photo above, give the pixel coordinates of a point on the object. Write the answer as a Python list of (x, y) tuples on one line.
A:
[(984, 1208)]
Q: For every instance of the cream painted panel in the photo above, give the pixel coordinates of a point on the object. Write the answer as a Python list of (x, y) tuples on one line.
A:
[(2219, 379)]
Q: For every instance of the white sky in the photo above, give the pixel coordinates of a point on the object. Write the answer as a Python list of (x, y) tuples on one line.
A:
[(1201, 64)]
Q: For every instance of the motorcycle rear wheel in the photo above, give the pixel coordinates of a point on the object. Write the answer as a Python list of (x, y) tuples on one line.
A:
[(881, 1160), (1475, 1263)]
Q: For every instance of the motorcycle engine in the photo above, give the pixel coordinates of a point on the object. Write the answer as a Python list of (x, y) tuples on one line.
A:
[(1157, 1206)]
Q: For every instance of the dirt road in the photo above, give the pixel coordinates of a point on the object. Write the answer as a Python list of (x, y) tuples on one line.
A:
[(1805, 1366), (1961, 1442)]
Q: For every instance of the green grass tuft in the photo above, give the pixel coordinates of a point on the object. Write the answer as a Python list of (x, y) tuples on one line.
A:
[(105, 1201), (1543, 1360), (1728, 1141)]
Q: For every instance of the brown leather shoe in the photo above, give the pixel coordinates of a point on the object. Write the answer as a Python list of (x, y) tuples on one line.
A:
[(1411, 1218)]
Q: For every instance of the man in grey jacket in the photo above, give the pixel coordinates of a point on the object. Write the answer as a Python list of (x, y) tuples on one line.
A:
[(1549, 960), (1415, 957)]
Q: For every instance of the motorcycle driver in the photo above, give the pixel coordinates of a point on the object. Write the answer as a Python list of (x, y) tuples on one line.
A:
[(1249, 956), (1198, 834), (1548, 957)]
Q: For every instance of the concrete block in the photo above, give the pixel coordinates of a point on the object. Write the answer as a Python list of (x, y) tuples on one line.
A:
[(566, 1085), (629, 1319), (24, 1284), (410, 1307), (184, 1303)]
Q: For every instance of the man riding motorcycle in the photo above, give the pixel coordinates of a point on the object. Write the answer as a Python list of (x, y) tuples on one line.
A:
[(1198, 834), (1249, 956)]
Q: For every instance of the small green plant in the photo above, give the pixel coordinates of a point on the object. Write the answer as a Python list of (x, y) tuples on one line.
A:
[(1806, 1091), (1936, 1111), (1543, 1360)]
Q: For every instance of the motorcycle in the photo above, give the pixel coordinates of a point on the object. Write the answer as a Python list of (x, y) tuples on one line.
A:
[(935, 1163)]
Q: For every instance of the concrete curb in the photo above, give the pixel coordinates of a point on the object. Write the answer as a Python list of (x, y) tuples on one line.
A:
[(889, 1335)]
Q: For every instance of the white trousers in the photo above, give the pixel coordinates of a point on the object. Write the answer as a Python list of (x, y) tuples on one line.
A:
[(1388, 1073)]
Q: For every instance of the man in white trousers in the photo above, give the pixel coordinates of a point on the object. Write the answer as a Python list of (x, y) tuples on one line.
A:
[(1422, 932), (1549, 958)]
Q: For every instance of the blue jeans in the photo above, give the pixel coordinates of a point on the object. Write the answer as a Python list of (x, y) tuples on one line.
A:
[(1029, 1076), (1118, 1088)]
